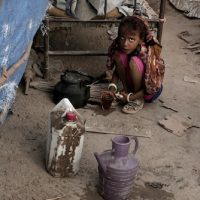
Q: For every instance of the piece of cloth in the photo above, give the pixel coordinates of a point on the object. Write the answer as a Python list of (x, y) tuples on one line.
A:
[(61, 4), (141, 68), (68, 5), (149, 98), (125, 62), (155, 67), (191, 8), (124, 6)]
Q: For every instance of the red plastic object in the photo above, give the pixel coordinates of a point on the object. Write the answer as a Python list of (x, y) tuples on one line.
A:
[(71, 116)]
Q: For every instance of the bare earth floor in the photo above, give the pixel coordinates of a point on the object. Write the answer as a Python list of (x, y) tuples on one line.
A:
[(171, 161)]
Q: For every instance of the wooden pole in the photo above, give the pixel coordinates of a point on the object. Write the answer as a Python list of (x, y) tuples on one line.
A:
[(161, 19), (104, 132), (8, 73)]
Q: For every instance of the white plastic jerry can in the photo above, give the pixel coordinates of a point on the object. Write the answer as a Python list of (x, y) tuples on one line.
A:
[(65, 140)]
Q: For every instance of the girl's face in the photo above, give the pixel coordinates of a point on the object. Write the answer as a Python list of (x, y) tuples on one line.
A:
[(129, 40)]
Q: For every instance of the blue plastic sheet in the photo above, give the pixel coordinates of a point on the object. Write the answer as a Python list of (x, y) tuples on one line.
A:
[(19, 21)]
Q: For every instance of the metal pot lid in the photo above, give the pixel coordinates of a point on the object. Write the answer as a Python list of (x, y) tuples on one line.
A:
[(75, 77)]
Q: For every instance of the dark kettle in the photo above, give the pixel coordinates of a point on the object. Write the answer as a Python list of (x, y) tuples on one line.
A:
[(73, 85)]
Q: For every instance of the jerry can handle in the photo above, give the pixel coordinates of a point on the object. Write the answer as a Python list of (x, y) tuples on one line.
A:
[(136, 144)]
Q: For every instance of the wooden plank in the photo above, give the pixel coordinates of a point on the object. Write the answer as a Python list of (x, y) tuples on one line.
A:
[(77, 53)]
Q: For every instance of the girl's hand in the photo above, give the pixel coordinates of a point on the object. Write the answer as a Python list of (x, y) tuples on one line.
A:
[(108, 93), (112, 87), (107, 97), (122, 97)]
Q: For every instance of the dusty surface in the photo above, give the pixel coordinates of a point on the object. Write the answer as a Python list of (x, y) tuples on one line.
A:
[(165, 158)]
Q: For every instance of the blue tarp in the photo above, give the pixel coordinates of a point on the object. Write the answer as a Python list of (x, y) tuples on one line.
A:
[(19, 21)]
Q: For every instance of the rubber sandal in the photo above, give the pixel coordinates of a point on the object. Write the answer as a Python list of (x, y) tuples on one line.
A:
[(133, 107)]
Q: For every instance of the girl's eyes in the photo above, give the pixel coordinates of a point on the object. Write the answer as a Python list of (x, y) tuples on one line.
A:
[(129, 39)]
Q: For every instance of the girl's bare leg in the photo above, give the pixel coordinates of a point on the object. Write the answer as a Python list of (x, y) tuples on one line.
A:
[(120, 73), (136, 76)]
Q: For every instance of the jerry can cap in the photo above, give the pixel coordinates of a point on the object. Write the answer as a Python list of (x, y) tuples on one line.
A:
[(71, 116)]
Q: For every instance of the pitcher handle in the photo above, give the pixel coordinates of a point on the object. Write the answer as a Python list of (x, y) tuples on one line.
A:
[(136, 144)]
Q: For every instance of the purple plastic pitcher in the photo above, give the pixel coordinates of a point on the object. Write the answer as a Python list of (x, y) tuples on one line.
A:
[(117, 169)]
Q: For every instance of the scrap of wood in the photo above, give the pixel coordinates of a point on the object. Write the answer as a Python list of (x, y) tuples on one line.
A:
[(37, 70), (32, 70), (161, 101), (168, 107), (197, 52), (193, 48), (43, 86), (103, 131), (176, 124), (56, 198), (190, 79), (194, 126), (195, 44), (95, 130), (184, 36), (29, 75)]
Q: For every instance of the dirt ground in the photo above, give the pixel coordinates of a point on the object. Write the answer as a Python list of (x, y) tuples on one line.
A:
[(169, 165)]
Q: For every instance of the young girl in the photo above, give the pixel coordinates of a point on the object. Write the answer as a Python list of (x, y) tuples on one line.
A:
[(125, 57)]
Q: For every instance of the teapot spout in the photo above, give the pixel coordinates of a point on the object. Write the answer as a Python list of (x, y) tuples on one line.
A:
[(99, 162)]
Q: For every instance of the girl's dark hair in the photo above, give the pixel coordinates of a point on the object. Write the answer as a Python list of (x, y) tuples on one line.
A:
[(134, 23)]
